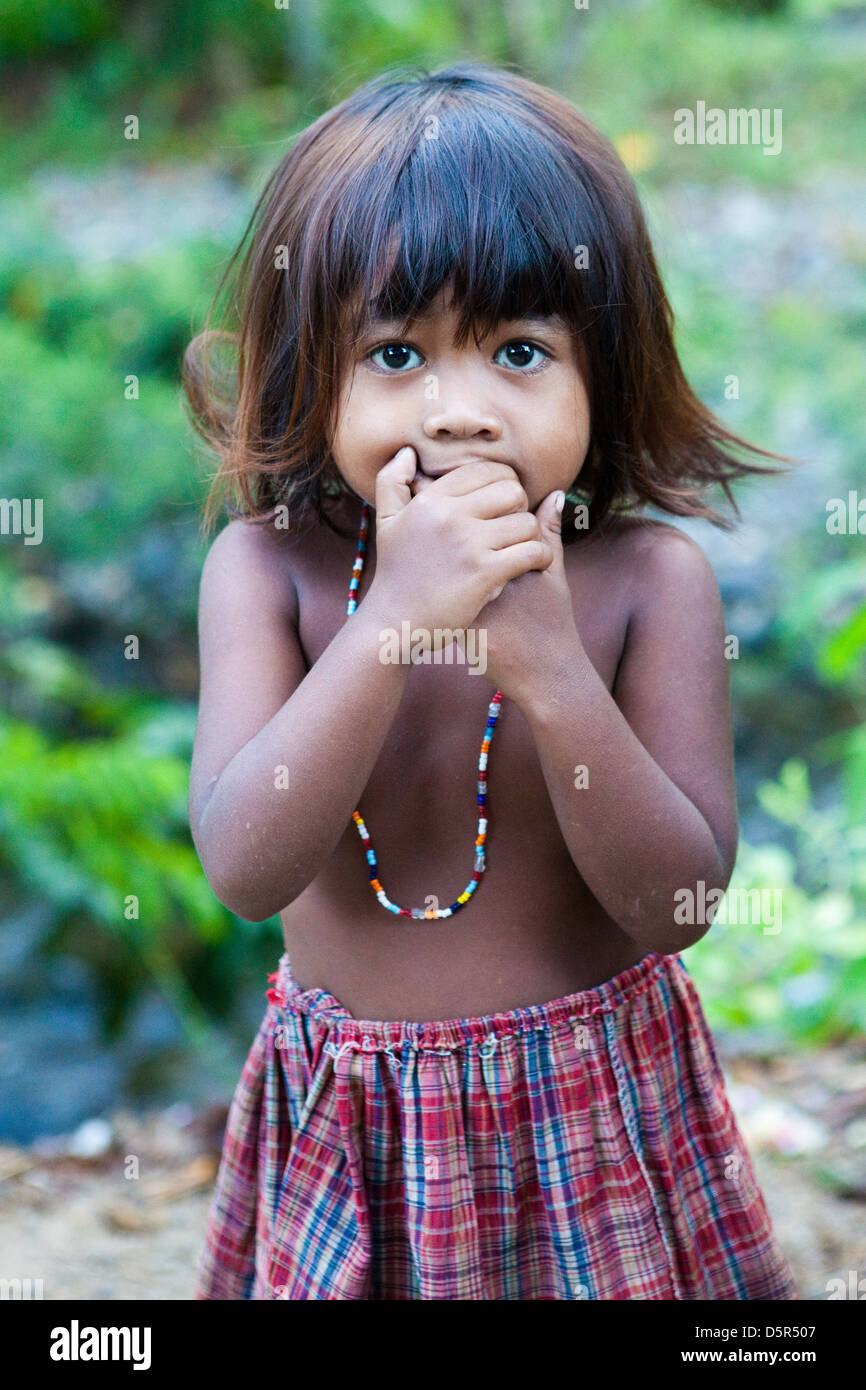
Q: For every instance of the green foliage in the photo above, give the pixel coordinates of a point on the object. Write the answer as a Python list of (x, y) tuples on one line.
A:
[(826, 613), (800, 978), (93, 825), (242, 73), (32, 28), (827, 9), (806, 983), (96, 829)]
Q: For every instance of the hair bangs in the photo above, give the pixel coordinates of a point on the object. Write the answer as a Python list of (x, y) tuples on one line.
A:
[(490, 213)]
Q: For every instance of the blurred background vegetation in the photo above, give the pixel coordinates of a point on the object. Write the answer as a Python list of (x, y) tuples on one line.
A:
[(112, 249)]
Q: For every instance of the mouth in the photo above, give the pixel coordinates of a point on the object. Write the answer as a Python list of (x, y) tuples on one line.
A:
[(440, 472), (420, 481)]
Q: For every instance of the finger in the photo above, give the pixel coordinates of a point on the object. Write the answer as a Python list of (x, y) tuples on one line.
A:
[(549, 518), (499, 499), (510, 529), (392, 484), (513, 560), (468, 477)]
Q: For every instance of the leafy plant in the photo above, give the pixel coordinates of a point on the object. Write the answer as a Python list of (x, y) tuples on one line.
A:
[(802, 979), (96, 830)]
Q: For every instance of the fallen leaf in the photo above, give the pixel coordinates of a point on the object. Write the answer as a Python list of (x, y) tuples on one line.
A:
[(196, 1174)]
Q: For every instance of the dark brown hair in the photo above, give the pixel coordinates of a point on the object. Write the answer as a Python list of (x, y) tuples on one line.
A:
[(479, 178)]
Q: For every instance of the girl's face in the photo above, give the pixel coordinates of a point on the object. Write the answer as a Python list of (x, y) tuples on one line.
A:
[(519, 399)]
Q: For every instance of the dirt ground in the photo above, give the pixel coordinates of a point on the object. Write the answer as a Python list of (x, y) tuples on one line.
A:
[(117, 1210)]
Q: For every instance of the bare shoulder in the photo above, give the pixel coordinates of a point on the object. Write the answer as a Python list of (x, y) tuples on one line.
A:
[(659, 561), (251, 558), (672, 685), (642, 538), (250, 659), (669, 567)]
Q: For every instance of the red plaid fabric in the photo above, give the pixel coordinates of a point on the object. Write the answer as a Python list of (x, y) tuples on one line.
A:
[(583, 1148)]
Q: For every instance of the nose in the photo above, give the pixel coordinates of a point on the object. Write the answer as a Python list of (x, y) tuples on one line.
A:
[(461, 419)]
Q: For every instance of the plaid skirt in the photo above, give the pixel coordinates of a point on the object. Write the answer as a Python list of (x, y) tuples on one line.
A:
[(579, 1149)]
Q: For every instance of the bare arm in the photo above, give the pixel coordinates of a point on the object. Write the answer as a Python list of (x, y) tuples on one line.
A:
[(658, 814), (281, 756)]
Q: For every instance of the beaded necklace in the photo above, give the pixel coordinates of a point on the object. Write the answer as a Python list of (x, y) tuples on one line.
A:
[(421, 913)]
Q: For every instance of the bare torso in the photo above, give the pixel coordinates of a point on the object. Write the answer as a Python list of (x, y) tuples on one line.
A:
[(532, 931)]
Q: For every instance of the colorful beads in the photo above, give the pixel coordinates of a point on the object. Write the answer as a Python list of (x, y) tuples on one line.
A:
[(359, 560), (419, 913)]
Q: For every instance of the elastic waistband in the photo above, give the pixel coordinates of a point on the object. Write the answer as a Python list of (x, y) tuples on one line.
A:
[(383, 1035)]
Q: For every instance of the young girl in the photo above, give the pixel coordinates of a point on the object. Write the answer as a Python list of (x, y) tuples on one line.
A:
[(483, 1071)]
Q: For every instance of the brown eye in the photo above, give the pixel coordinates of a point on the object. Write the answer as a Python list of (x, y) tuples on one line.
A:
[(394, 355), (523, 353)]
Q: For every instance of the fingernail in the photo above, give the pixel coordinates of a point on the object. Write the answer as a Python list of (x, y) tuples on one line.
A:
[(559, 501)]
